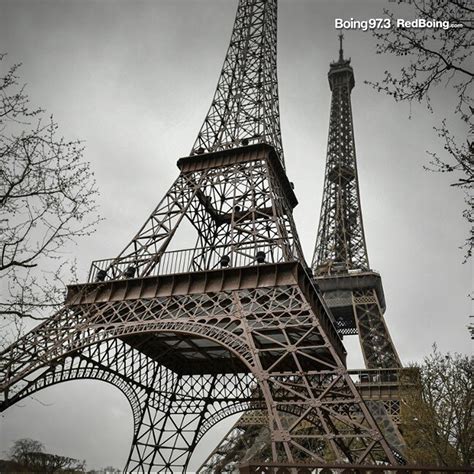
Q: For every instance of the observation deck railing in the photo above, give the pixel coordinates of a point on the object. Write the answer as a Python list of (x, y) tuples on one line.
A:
[(194, 260), (382, 385), (376, 376)]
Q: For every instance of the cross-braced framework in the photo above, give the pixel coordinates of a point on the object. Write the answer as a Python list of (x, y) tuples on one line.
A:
[(233, 324), (245, 316), (340, 261), (245, 107), (245, 338), (353, 292), (340, 240)]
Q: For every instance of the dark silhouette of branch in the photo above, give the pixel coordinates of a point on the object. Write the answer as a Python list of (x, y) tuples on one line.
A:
[(47, 199), (436, 406), (30, 456), (437, 58)]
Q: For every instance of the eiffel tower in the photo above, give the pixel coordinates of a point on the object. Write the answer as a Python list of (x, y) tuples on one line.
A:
[(352, 291), (340, 261), (234, 323)]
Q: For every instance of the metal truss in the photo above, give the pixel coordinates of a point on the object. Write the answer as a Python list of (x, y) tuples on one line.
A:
[(234, 322), (340, 243), (341, 267), (340, 260), (377, 345), (248, 437), (178, 335), (279, 334), (245, 107), (113, 362), (174, 420), (240, 205)]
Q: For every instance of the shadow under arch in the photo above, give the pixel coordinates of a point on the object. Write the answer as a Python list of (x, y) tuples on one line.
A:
[(80, 337), (70, 342)]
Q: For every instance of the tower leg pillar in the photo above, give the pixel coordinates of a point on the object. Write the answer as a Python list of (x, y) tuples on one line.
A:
[(172, 421), (377, 346)]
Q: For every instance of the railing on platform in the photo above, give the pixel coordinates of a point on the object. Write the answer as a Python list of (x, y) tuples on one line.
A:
[(282, 468), (193, 260), (376, 376)]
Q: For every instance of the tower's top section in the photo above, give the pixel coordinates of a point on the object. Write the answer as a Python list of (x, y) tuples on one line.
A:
[(341, 72), (245, 107), (340, 246)]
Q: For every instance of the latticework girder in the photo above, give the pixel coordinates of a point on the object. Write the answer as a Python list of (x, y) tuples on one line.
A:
[(113, 362), (377, 345), (240, 203), (266, 321), (340, 243), (341, 266), (340, 260), (232, 323), (245, 107)]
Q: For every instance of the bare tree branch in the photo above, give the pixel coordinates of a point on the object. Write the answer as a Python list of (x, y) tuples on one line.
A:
[(47, 199), (436, 406), (437, 58)]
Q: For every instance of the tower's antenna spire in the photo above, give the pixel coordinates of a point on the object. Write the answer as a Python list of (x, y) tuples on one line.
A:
[(341, 51)]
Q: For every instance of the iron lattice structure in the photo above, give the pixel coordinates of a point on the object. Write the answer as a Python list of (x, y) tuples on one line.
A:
[(340, 261), (340, 240), (245, 107), (232, 324), (350, 288)]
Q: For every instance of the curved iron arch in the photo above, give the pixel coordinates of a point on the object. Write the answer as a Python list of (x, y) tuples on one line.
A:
[(242, 407), (69, 373), (104, 332)]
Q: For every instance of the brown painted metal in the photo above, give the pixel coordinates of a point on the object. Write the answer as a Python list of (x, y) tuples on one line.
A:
[(353, 292), (340, 243), (340, 261), (287, 468), (272, 331), (229, 322), (245, 106), (205, 329)]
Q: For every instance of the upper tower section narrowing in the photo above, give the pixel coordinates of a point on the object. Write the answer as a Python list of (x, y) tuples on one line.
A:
[(245, 107), (340, 244)]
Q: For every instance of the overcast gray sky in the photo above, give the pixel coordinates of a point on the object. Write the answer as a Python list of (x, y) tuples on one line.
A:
[(134, 79)]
